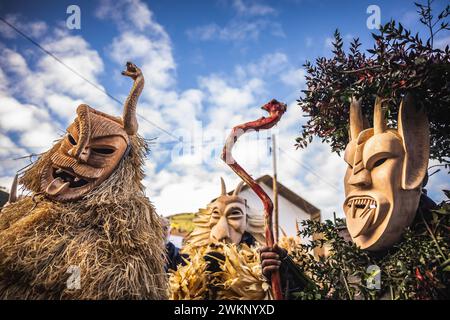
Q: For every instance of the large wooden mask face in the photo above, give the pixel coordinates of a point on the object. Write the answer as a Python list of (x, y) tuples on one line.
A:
[(91, 150), (228, 220), (87, 155), (384, 177)]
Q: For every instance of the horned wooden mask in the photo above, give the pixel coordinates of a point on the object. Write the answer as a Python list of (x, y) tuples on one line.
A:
[(91, 150), (385, 171), (228, 220)]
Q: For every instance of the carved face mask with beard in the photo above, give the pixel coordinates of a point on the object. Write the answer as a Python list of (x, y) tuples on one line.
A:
[(225, 220), (88, 213)]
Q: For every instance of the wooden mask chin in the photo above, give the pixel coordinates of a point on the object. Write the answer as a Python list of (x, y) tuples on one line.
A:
[(385, 171), (92, 149)]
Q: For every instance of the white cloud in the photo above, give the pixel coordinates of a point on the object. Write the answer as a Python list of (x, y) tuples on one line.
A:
[(409, 18), (222, 95), (128, 14), (153, 55), (205, 113), (13, 62), (206, 32), (33, 29), (252, 8), (268, 65), (328, 43), (236, 30), (295, 78), (249, 22), (48, 78), (55, 92), (217, 103)]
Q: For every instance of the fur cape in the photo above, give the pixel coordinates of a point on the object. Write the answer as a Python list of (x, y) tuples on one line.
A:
[(112, 236)]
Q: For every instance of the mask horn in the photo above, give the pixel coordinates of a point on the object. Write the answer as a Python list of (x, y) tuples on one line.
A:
[(238, 188), (85, 128), (130, 123), (379, 120), (13, 192), (414, 129), (356, 118), (223, 187)]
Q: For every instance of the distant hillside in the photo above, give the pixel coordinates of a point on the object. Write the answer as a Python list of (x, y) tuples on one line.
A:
[(181, 223)]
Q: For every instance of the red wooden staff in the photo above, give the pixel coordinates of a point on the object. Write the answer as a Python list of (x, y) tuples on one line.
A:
[(275, 110)]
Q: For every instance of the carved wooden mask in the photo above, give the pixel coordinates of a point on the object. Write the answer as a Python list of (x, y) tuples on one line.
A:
[(385, 171), (228, 220), (91, 150)]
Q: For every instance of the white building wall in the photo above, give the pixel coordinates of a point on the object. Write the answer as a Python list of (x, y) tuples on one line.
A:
[(288, 212)]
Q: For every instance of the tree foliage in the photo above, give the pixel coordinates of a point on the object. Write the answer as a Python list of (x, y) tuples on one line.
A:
[(399, 62), (418, 267)]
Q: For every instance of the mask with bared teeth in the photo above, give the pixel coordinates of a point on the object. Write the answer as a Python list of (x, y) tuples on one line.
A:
[(386, 168)]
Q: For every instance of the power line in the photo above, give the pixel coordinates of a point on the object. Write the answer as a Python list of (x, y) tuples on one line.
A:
[(158, 127), (120, 102), (80, 75), (309, 169)]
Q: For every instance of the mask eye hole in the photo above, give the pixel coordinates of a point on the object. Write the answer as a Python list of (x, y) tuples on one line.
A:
[(379, 162), (215, 214), (235, 214), (71, 139), (103, 150)]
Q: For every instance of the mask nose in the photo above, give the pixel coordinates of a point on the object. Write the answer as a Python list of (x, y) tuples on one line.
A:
[(220, 231), (83, 156), (361, 179)]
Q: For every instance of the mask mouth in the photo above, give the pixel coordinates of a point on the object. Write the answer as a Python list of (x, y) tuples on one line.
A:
[(359, 207), (66, 176), (361, 212)]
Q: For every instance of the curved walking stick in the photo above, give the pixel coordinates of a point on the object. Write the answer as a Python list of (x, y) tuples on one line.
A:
[(275, 110)]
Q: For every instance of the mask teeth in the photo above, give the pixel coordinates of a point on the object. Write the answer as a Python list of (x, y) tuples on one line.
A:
[(365, 211), (352, 210), (372, 204)]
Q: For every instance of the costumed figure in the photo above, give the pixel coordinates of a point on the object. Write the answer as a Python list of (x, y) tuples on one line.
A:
[(221, 257), (87, 231), (387, 170), (231, 270), (173, 255), (385, 174)]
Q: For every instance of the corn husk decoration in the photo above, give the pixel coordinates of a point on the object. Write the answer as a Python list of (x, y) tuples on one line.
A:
[(190, 282), (240, 276), (292, 246)]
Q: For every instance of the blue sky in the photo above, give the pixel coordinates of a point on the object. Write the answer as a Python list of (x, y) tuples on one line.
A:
[(209, 65)]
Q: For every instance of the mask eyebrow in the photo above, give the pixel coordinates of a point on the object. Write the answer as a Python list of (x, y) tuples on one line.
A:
[(234, 208), (374, 157), (73, 127)]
